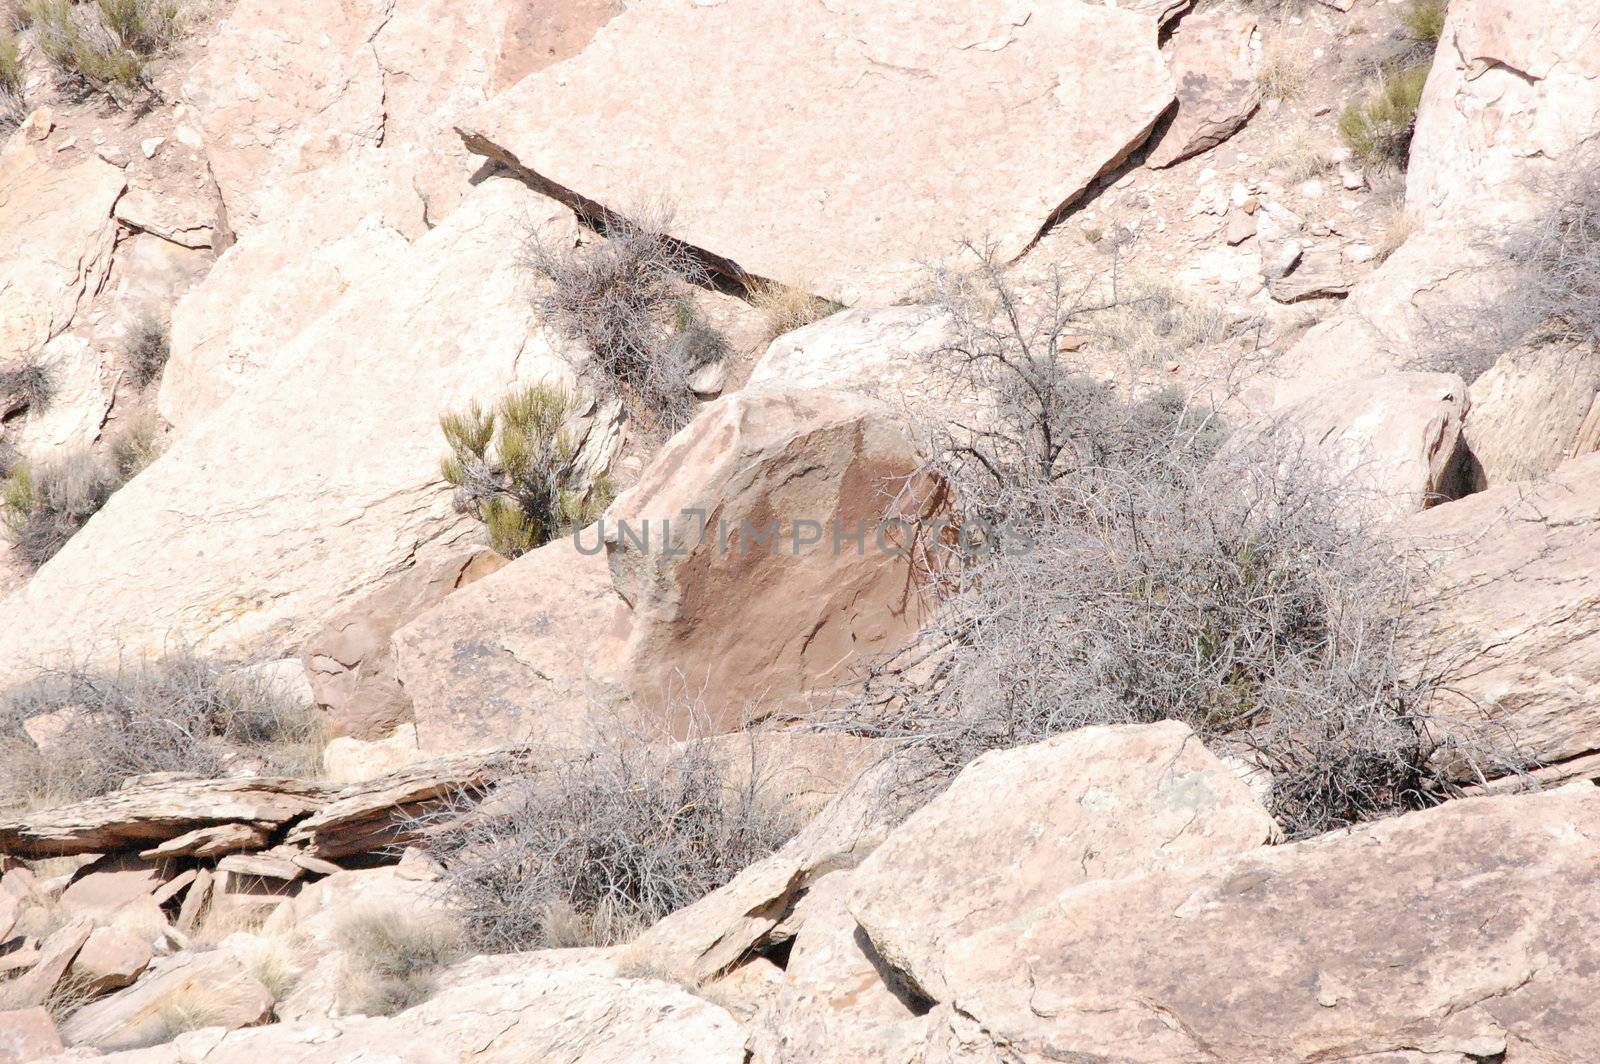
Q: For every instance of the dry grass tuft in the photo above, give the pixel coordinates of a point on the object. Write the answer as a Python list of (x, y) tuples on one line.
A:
[(785, 308), (392, 959), (1424, 20)]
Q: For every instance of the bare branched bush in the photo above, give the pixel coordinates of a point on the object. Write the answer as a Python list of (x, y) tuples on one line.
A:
[(392, 958), (148, 351), (628, 301), (180, 713), (105, 46), (1557, 263), (592, 850), (1119, 564), (29, 386), (517, 469)]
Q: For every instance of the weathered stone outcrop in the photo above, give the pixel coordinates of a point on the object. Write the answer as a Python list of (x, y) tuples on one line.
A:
[(276, 509), (523, 655), (1536, 407), (887, 110), (1391, 440), (350, 660), (561, 1005), (1019, 826), (1215, 71), (145, 813), (212, 985), (1456, 934), (1517, 608)]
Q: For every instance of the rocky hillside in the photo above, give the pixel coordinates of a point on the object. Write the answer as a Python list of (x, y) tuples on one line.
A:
[(755, 531)]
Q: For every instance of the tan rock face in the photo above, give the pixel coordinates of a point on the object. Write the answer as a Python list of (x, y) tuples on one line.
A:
[(525, 654), (56, 239), (350, 661), (112, 958), (27, 1034), (240, 535), (145, 813), (886, 111), (833, 1003), (1518, 605), (555, 1005), (1508, 107), (744, 624), (212, 984), (1019, 826), (1456, 931), (1536, 407), (1214, 68), (1392, 439), (518, 656)]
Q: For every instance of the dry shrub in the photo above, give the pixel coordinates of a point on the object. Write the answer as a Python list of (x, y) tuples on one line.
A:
[(148, 351), (45, 504), (29, 386), (1557, 263), (628, 300), (392, 958), (12, 108), (785, 308), (180, 713), (518, 469), (1378, 129), (105, 46), (1152, 322), (594, 849), (1285, 70), (1121, 563)]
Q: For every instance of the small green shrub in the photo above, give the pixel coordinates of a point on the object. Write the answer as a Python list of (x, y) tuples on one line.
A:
[(148, 351), (1424, 20), (1378, 129), (105, 46), (517, 469), (392, 959), (45, 504), (10, 74)]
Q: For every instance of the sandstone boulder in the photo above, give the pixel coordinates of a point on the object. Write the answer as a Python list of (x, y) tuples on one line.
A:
[(1458, 933), (1507, 112), (528, 653), (350, 660), (110, 959), (550, 1006), (1517, 605), (886, 110), (833, 1003), (211, 986), (27, 1035), (1214, 68), (1019, 826), (346, 760), (260, 521), (1536, 407), (1392, 439), (111, 882), (55, 956), (763, 493)]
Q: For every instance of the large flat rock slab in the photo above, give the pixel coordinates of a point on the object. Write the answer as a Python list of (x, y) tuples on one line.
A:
[(838, 146), (316, 482), (1461, 933)]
